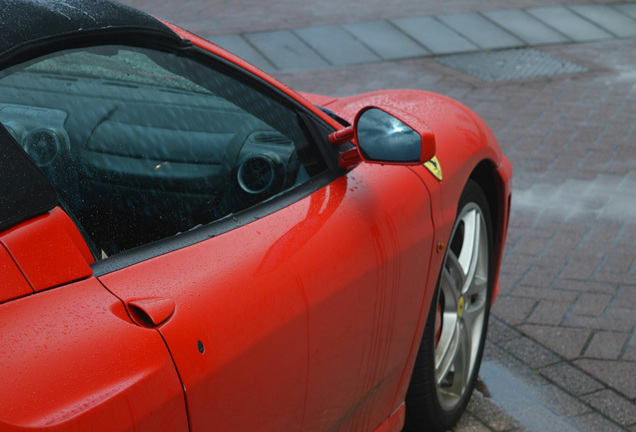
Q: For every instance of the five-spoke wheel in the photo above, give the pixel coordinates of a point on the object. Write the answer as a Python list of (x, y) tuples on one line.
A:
[(452, 345)]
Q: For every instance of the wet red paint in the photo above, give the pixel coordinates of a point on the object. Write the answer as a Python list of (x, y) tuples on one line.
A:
[(309, 316)]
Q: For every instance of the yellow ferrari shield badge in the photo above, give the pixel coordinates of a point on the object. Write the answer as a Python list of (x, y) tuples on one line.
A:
[(434, 167)]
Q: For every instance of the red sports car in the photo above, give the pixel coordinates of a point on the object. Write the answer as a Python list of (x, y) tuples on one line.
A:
[(187, 244)]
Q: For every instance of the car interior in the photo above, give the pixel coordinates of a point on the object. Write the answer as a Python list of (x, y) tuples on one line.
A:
[(142, 144)]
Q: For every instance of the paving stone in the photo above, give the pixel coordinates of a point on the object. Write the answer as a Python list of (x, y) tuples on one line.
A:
[(617, 263), (507, 282), (614, 278), (608, 19), (509, 278), (564, 243), (567, 22), (528, 144), (621, 313), (595, 422), (530, 352), (535, 232), (386, 40), (614, 406), (544, 420), (548, 312), (492, 351), (561, 403), (541, 262), (513, 310), (591, 304), (286, 51), (499, 332), (632, 341), (629, 355), (232, 17), (335, 45), (239, 46), (526, 405), (621, 207), (531, 245), (525, 218), (626, 297), (524, 374), (580, 269), (468, 423), (620, 375), (434, 35), (571, 379), (567, 342), (492, 415), (480, 31), (606, 345), (588, 253), (599, 323), (628, 9), (545, 294), (525, 27), (586, 286), (541, 276)]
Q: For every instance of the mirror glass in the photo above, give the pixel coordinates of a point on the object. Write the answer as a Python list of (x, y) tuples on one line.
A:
[(382, 137)]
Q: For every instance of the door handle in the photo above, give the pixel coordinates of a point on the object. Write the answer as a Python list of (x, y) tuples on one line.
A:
[(151, 312)]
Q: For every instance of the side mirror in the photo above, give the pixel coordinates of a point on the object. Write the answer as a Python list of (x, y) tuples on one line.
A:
[(386, 136)]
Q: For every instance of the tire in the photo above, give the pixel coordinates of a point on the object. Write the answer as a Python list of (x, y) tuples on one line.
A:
[(452, 345)]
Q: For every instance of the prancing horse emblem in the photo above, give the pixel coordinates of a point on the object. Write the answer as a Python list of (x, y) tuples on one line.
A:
[(434, 167)]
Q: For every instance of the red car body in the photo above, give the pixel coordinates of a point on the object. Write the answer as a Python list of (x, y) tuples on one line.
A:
[(307, 318)]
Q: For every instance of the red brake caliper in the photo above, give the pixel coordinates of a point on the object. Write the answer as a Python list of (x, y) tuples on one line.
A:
[(438, 323)]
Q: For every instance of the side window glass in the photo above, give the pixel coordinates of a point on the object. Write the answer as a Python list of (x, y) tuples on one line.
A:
[(142, 145)]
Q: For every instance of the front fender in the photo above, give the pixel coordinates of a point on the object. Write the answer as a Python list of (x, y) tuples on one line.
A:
[(462, 138), (463, 142)]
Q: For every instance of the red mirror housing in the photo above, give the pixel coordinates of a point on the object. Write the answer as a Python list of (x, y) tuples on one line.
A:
[(386, 136)]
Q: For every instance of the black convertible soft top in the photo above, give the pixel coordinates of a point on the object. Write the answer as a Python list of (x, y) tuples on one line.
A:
[(27, 24), (30, 27)]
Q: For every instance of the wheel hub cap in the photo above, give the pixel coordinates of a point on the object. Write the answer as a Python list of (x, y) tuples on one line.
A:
[(463, 294)]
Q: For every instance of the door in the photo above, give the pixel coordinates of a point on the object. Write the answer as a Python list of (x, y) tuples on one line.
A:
[(287, 293), (363, 265), (311, 309), (238, 335)]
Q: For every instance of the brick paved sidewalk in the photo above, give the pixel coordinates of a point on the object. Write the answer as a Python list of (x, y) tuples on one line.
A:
[(561, 352), (217, 17), (389, 37)]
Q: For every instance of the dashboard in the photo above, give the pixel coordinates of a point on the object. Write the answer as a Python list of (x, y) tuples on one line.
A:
[(152, 162)]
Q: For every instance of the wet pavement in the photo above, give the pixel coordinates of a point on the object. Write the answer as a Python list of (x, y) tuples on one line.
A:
[(417, 36), (561, 351)]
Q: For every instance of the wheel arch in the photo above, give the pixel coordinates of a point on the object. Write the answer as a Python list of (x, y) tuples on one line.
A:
[(484, 174), (495, 182)]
